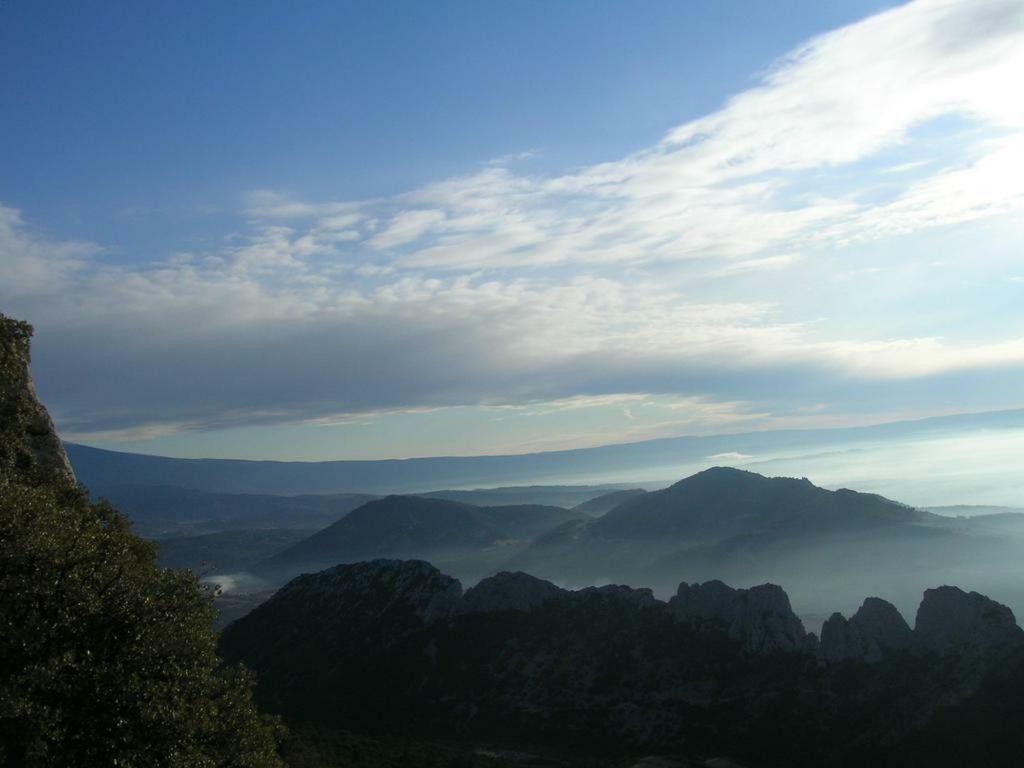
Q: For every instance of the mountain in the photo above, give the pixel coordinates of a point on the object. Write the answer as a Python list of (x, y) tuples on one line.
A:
[(829, 547), (652, 459), (605, 503), (602, 676), (165, 511), (392, 525), (470, 538), (708, 508), (722, 502)]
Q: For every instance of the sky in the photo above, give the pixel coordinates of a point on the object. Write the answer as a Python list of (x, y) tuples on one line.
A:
[(367, 230)]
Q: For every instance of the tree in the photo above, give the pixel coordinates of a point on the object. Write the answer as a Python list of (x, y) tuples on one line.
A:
[(105, 658)]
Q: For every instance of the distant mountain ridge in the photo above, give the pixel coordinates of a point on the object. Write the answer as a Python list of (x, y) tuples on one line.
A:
[(98, 468), (721, 502), (159, 511), (707, 509)]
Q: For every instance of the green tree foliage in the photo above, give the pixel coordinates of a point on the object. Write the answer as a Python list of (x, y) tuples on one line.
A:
[(105, 658)]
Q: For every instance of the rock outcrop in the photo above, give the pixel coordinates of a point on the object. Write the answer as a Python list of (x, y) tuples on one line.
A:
[(875, 630), (641, 597), (761, 617), (29, 445), (518, 591), (508, 591), (950, 619), (379, 587)]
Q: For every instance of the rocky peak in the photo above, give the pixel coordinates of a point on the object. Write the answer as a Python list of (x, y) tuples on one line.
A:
[(837, 642), (642, 597), (29, 445), (380, 586), (508, 591), (876, 629), (949, 619), (761, 617)]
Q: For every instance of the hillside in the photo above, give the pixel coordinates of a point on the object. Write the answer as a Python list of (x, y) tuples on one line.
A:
[(469, 537)]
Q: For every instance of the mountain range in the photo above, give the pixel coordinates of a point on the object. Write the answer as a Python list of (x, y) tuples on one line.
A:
[(159, 511), (829, 547), (653, 460), (746, 528)]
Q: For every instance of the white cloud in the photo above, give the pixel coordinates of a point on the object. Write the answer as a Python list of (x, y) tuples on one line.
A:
[(990, 185), (729, 456), (557, 292), (733, 184), (268, 204), (407, 227), (32, 265), (765, 264)]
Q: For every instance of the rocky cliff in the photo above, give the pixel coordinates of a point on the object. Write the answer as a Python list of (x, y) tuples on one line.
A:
[(950, 619), (507, 591), (875, 630), (380, 586), (760, 617), (29, 445)]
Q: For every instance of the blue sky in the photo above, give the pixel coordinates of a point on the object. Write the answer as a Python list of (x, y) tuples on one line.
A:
[(348, 230)]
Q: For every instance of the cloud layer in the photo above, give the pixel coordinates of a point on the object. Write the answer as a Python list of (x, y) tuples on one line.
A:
[(697, 268)]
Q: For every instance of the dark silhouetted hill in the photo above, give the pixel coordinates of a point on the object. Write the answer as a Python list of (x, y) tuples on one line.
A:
[(468, 536), (601, 676)]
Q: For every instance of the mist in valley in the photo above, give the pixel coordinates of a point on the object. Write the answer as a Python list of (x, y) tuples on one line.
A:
[(962, 528)]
